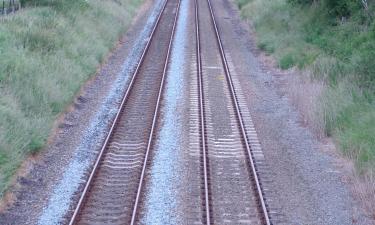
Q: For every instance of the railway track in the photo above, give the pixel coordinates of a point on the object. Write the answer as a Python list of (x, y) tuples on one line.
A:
[(113, 190), (231, 192)]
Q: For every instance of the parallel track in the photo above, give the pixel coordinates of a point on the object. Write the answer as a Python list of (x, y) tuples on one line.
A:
[(113, 190), (205, 144)]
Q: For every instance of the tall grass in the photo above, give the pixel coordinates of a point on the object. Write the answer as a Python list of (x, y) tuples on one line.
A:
[(338, 52), (46, 53)]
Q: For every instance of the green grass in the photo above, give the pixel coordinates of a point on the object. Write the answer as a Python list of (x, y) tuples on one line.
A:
[(338, 50), (350, 119), (46, 53)]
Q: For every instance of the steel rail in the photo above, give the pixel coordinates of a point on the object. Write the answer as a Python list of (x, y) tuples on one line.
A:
[(74, 217), (239, 117), (141, 179), (202, 120)]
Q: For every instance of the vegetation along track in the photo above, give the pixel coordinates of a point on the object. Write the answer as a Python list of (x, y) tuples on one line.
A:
[(232, 190), (113, 190)]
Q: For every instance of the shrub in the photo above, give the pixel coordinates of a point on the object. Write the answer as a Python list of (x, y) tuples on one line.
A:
[(302, 2), (266, 47), (340, 8), (287, 61), (241, 3), (36, 144)]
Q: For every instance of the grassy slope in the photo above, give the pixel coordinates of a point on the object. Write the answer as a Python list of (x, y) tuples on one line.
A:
[(341, 53), (46, 54)]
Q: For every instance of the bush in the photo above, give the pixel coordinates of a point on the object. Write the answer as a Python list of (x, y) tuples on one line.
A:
[(302, 2), (287, 61), (340, 8), (241, 3), (266, 47), (36, 144), (365, 66)]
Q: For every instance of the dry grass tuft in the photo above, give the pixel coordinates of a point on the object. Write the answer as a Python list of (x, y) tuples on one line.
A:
[(364, 188), (305, 94)]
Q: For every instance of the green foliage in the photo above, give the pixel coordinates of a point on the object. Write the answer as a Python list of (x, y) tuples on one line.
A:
[(365, 65), (335, 39), (350, 118), (301, 2), (241, 3), (3, 158), (287, 61), (46, 53), (35, 2), (308, 32), (266, 47), (342, 7), (333, 7), (35, 144)]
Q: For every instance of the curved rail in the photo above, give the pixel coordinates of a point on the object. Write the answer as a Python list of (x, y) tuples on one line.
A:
[(74, 217), (261, 198)]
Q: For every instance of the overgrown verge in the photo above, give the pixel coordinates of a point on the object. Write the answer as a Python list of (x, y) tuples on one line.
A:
[(332, 43), (47, 51)]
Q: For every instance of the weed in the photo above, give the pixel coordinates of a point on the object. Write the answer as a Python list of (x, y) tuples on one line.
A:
[(266, 47), (35, 144), (287, 61), (241, 3)]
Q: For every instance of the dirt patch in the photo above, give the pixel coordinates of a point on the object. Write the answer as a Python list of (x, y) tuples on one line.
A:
[(8, 199), (23, 171)]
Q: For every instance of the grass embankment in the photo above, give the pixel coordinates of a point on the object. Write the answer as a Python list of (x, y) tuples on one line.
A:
[(335, 41), (47, 51)]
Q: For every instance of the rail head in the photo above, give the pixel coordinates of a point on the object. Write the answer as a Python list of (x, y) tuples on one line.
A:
[(202, 123)]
